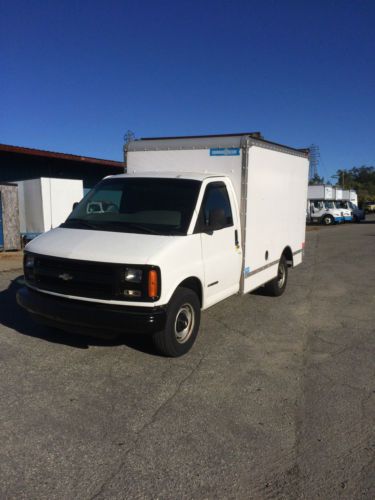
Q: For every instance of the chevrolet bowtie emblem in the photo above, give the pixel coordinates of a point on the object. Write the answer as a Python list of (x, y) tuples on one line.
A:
[(65, 276)]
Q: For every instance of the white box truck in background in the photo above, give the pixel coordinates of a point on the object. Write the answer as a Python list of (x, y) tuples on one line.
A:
[(193, 221), (45, 203), (325, 205), (349, 201)]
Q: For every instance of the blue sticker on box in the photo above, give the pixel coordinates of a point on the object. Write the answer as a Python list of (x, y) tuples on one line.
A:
[(225, 152)]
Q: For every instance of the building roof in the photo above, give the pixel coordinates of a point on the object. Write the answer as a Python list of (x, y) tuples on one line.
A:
[(6, 148)]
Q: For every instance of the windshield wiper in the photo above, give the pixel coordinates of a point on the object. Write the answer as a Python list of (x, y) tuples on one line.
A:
[(131, 225), (80, 222), (143, 228)]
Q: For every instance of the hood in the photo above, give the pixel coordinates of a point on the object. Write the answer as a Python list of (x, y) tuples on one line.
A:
[(102, 246)]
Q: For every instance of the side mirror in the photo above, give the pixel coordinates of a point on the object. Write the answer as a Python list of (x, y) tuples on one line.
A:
[(217, 219), (75, 204)]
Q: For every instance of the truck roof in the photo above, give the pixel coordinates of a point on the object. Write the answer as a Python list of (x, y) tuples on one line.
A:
[(199, 176), (206, 141)]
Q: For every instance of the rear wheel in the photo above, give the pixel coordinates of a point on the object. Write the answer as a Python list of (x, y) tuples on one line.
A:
[(276, 287), (182, 325), (328, 220)]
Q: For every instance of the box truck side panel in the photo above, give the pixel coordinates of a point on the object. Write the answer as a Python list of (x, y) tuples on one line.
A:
[(31, 206), (320, 192), (316, 192), (353, 197), (47, 202), (328, 193), (209, 160), (64, 192), (275, 214), (338, 194), (58, 198)]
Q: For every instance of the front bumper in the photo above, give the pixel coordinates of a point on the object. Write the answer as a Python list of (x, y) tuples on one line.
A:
[(90, 318)]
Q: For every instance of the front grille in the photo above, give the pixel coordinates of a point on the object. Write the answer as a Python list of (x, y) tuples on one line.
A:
[(80, 278), (75, 277)]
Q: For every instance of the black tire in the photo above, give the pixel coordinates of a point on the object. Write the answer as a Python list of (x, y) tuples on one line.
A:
[(328, 220), (276, 287), (182, 325)]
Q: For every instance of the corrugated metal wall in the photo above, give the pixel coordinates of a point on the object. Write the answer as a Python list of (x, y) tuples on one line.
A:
[(10, 217)]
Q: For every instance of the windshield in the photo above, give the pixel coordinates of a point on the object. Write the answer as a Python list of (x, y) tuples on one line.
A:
[(329, 205), (138, 205), (341, 204)]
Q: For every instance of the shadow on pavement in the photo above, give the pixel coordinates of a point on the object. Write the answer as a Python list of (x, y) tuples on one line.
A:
[(16, 318)]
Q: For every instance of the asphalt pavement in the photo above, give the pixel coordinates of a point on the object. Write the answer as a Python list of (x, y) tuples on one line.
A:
[(275, 400)]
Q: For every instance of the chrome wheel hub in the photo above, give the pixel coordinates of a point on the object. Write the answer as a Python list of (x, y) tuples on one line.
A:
[(281, 276), (184, 323)]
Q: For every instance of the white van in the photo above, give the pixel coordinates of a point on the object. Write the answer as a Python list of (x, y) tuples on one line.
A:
[(192, 222)]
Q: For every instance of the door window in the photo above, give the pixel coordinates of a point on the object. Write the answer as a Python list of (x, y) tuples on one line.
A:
[(216, 212)]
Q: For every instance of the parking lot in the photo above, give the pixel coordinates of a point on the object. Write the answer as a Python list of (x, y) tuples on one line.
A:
[(275, 400)]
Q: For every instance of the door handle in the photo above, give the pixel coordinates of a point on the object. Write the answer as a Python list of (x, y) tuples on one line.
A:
[(236, 238)]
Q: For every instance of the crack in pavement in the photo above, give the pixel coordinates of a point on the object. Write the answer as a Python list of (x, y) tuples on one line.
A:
[(148, 424)]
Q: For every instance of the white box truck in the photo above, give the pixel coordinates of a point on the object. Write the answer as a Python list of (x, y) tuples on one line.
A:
[(321, 207), (193, 221), (45, 203), (349, 201)]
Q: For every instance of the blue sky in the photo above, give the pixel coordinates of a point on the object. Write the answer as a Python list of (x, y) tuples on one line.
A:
[(75, 75)]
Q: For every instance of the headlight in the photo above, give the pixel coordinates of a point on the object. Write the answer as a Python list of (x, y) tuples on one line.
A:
[(133, 275), (29, 261)]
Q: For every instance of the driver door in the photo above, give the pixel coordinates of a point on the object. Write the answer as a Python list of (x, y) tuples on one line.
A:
[(221, 252)]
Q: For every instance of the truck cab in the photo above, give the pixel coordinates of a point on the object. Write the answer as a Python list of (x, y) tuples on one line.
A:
[(346, 209), (351, 211), (132, 243), (324, 212)]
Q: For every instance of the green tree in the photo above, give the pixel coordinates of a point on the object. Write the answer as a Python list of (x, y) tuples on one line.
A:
[(316, 180), (362, 179)]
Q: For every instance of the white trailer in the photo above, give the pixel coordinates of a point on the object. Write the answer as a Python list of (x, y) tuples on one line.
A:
[(193, 221), (45, 203)]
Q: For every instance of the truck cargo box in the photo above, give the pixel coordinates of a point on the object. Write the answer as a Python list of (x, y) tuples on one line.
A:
[(321, 192), (45, 203), (270, 182)]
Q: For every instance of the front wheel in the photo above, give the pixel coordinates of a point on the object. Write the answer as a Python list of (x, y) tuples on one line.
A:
[(182, 325), (328, 220), (276, 287)]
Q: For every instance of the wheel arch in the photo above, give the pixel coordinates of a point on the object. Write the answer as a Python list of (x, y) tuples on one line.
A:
[(194, 284), (288, 254)]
